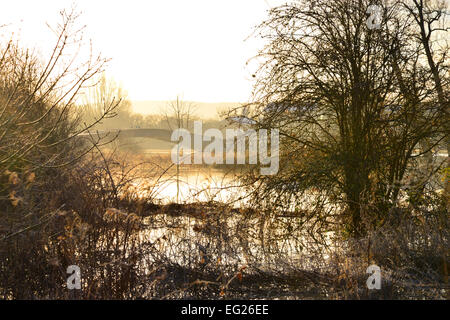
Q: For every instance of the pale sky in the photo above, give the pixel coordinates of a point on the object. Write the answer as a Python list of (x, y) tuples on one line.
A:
[(160, 48)]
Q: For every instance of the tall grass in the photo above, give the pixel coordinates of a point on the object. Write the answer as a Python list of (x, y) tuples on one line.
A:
[(129, 246)]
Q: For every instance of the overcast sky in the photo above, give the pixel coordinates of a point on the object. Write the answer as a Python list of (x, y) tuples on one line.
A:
[(160, 48)]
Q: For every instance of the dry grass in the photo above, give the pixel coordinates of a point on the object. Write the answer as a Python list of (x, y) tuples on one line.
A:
[(128, 246)]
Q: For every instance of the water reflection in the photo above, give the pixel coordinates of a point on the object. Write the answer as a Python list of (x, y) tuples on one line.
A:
[(197, 184)]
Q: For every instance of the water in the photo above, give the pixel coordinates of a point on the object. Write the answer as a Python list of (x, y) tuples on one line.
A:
[(192, 185)]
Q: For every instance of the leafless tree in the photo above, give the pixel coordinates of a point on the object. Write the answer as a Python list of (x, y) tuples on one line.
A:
[(352, 104), (179, 115), (39, 117), (103, 93), (40, 120), (431, 31)]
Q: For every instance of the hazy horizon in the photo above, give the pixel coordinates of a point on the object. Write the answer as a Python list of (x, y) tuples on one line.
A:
[(204, 110)]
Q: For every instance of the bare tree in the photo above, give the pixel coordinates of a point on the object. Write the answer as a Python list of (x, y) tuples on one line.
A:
[(40, 122), (179, 115), (351, 103), (432, 32), (39, 118), (103, 93)]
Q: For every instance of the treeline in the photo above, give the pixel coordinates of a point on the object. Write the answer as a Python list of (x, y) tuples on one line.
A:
[(105, 91)]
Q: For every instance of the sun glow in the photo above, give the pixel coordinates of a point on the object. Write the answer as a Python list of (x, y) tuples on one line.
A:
[(160, 48)]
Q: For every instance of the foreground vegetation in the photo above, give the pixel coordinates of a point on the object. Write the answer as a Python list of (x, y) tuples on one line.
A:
[(129, 246)]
